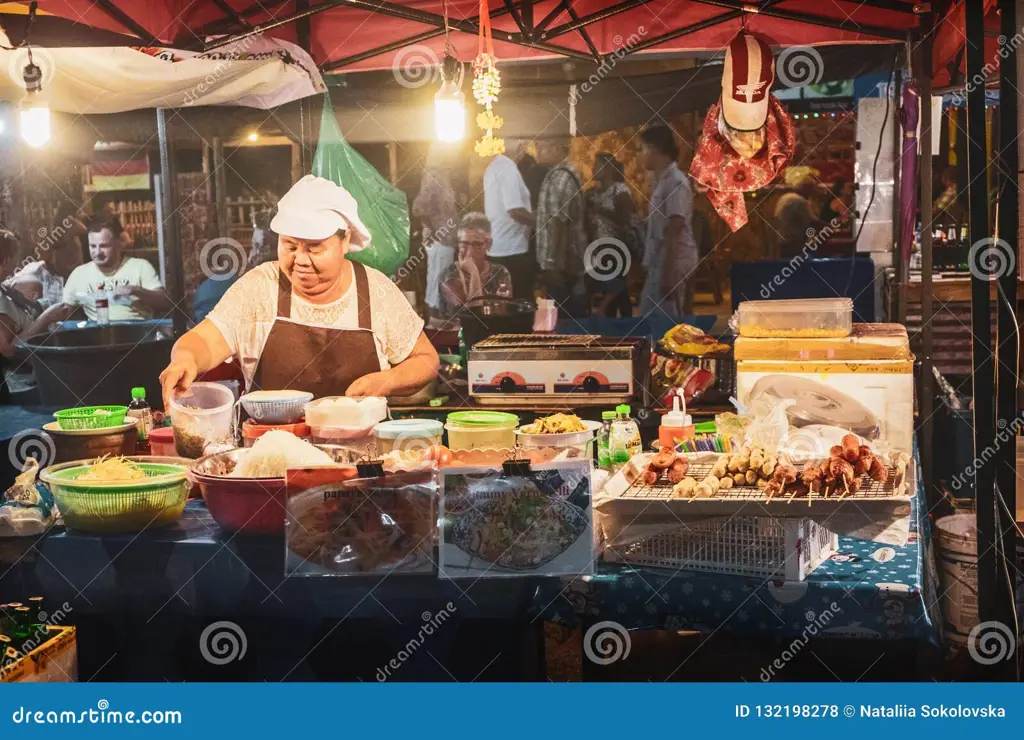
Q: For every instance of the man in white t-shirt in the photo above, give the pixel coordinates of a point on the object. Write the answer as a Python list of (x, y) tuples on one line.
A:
[(130, 284), (507, 206)]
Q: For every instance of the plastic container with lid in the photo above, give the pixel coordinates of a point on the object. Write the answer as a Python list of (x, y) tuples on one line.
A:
[(481, 430), (161, 442), (802, 317), (202, 415), (252, 431), (407, 434), (675, 425)]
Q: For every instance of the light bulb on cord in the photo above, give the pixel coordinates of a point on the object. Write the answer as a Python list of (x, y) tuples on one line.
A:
[(449, 103), (35, 111)]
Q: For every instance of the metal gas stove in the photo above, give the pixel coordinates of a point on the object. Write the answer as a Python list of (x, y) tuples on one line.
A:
[(554, 369)]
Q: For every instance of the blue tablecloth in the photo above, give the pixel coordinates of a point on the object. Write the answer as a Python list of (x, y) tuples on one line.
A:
[(195, 568), (879, 592)]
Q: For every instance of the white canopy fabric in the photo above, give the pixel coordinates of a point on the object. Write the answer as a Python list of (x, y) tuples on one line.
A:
[(257, 72)]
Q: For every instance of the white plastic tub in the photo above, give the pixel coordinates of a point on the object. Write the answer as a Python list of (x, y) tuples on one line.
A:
[(801, 317), (201, 416)]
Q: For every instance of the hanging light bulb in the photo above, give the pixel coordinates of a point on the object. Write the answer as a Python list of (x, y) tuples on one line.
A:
[(449, 102), (35, 112)]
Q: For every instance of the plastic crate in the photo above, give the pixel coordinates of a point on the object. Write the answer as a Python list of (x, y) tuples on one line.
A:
[(750, 546), (55, 661)]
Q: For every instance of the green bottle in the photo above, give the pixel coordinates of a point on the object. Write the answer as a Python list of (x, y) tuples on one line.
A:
[(604, 455)]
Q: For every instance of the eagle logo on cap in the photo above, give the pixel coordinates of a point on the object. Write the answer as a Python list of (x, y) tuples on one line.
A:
[(750, 90)]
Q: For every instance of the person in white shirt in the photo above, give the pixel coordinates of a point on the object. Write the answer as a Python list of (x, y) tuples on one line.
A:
[(507, 206), (314, 320), (130, 284)]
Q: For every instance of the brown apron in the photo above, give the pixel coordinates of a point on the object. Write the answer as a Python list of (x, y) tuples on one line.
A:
[(316, 359)]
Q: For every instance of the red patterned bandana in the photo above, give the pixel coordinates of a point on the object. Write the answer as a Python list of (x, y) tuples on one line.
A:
[(727, 175)]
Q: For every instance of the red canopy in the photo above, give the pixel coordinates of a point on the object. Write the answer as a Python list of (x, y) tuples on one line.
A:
[(346, 34)]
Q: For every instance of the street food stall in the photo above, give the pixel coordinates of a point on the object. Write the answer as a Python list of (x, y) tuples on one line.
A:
[(568, 477)]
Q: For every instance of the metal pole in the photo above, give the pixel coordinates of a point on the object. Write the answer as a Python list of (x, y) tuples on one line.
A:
[(1006, 328), (902, 268), (169, 224), (981, 317), (220, 188), (924, 72)]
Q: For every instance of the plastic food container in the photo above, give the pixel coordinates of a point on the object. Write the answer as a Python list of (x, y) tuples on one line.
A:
[(407, 434), (276, 407), (481, 430), (350, 437), (161, 442), (201, 415), (582, 441), (802, 317), (339, 412), (252, 431)]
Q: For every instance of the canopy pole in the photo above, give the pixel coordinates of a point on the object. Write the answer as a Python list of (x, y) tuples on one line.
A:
[(169, 224), (1007, 332), (901, 265), (924, 72), (981, 320)]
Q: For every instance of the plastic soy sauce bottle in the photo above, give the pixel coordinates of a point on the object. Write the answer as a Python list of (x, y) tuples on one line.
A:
[(139, 409), (623, 438), (604, 457), (675, 425)]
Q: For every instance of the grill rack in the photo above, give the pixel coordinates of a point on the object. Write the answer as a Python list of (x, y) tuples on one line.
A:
[(870, 489)]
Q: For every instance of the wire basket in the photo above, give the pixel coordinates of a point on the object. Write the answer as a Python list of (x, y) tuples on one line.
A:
[(118, 508), (91, 417), (758, 546)]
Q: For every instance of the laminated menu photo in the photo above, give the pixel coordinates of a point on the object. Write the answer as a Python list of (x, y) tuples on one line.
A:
[(337, 524), (535, 523)]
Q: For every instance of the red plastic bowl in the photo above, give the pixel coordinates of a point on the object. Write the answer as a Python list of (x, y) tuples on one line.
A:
[(250, 505)]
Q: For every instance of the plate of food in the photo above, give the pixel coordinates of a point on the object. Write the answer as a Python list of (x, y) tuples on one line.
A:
[(557, 430), (520, 530)]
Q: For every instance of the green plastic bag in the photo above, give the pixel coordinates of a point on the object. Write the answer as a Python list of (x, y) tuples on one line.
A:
[(382, 207)]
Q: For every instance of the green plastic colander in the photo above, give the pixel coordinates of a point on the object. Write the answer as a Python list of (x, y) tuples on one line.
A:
[(118, 508), (91, 417)]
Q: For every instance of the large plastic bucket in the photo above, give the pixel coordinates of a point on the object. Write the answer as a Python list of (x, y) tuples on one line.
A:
[(956, 554)]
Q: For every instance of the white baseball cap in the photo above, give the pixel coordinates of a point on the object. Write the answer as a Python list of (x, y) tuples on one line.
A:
[(315, 208), (747, 82)]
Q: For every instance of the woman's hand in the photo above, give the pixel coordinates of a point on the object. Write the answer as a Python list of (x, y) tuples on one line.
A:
[(178, 376), (375, 384)]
